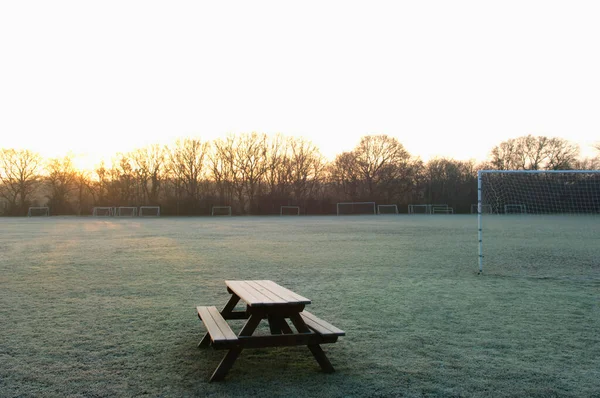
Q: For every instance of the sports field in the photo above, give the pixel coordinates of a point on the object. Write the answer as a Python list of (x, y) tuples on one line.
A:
[(106, 307)]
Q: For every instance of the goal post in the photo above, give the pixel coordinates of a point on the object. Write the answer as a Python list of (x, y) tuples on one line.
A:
[(38, 211), (126, 211), (387, 209), (220, 211), (289, 211), (355, 208), (557, 196), (485, 209), (149, 211), (102, 211)]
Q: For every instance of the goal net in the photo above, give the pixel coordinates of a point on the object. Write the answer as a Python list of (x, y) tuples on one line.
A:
[(102, 211), (38, 211), (149, 211), (289, 211), (126, 211), (348, 208), (539, 223), (387, 209), (221, 211)]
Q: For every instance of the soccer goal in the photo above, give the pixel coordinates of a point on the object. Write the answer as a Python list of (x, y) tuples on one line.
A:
[(557, 229), (445, 209), (348, 208), (126, 211), (102, 211), (289, 211), (485, 209), (38, 211), (149, 211), (387, 209), (220, 211), (419, 209)]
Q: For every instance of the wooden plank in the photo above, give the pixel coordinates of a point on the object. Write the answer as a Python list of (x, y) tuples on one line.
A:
[(268, 294), (281, 340), (319, 325), (248, 294), (283, 292), (217, 327)]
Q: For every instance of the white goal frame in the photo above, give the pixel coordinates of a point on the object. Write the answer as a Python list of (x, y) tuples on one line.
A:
[(480, 204), (110, 211), (355, 203), (393, 207), (46, 212), (442, 210), (142, 208), (120, 212), (212, 210), (289, 207)]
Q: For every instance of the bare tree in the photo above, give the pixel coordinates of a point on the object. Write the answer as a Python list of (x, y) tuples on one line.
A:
[(19, 177), (222, 168), (187, 164), (61, 180), (251, 163), (150, 168), (306, 167), (379, 159), (534, 153)]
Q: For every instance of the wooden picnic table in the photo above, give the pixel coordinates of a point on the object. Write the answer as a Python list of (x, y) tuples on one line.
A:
[(264, 299)]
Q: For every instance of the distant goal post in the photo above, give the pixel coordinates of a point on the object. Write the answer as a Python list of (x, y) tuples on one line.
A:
[(220, 211), (289, 211), (126, 211), (149, 211), (387, 209), (356, 208), (429, 208), (103, 211), (38, 211)]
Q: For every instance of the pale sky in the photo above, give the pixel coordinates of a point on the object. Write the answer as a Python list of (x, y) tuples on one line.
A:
[(447, 78)]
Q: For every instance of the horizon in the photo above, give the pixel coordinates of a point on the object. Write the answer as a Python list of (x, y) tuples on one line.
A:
[(448, 80)]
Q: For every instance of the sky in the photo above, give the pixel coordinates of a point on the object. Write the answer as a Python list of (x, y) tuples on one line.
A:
[(446, 78)]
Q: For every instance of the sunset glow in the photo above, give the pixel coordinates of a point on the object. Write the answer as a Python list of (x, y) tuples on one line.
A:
[(446, 79)]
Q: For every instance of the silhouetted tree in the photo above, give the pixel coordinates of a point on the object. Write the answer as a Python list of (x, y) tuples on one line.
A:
[(19, 177)]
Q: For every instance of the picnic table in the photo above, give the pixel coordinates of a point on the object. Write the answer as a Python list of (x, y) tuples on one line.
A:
[(264, 299)]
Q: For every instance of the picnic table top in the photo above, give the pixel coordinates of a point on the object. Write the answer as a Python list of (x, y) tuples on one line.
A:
[(265, 293)]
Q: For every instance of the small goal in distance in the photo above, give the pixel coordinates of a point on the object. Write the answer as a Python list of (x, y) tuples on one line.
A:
[(149, 211), (355, 208), (38, 211), (126, 211), (220, 211), (289, 211), (387, 209), (102, 211)]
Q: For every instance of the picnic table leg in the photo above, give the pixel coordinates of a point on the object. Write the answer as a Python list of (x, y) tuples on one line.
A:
[(229, 358), (316, 349), (278, 325), (233, 300)]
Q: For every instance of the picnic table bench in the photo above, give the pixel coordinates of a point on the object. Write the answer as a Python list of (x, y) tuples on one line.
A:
[(264, 299)]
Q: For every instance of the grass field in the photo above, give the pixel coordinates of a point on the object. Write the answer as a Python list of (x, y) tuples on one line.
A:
[(106, 307)]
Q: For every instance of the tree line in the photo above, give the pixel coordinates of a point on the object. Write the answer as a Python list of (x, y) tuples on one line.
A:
[(256, 174)]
